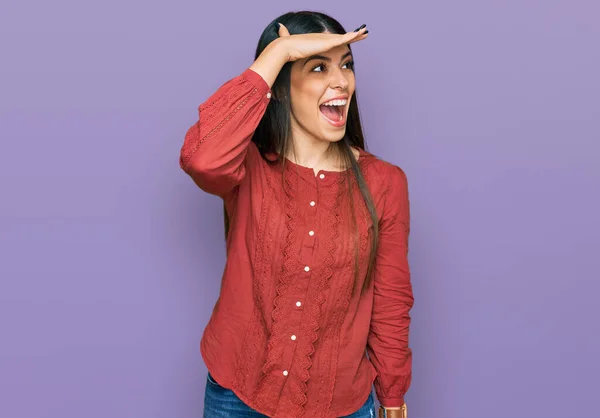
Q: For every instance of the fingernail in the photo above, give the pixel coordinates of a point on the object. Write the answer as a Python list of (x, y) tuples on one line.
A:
[(367, 31), (277, 26), (359, 28)]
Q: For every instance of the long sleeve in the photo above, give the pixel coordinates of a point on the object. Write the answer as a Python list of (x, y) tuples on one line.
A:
[(215, 147), (387, 344)]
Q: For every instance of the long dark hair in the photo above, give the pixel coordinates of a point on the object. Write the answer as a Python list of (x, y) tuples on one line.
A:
[(273, 133)]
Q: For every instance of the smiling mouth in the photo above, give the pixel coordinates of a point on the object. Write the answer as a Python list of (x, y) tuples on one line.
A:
[(334, 112)]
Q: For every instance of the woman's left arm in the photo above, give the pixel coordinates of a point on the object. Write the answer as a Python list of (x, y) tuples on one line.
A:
[(387, 344)]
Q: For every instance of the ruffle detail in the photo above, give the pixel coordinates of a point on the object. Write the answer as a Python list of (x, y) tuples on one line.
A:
[(296, 386), (315, 315), (289, 269)]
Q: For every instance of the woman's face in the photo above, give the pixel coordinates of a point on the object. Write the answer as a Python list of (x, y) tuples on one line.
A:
[(314, 82)]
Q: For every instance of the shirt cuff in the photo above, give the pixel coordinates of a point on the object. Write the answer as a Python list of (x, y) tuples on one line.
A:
[(392, 402), (257, 81)]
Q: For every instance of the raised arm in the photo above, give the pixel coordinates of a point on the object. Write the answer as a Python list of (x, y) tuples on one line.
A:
[(215, 146)]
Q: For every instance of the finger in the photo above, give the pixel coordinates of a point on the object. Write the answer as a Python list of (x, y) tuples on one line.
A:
[(358, 33), (350, 37), (283, 30), (359, 38)]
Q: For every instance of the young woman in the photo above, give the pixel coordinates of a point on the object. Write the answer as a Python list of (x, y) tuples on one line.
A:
[(316, 293)]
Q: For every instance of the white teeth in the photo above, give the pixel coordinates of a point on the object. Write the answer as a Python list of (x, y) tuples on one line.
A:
[(341, 102)]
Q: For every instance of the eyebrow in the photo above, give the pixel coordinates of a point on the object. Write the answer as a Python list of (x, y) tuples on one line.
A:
[(324, 58)]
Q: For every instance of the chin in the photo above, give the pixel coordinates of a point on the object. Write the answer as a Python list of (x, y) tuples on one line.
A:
[(334, 137)]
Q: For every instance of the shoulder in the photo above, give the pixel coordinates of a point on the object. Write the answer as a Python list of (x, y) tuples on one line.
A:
[(382, 175), (388, 185)]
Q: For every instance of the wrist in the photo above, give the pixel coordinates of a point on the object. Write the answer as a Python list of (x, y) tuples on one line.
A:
[(271, 60), (280, 45)]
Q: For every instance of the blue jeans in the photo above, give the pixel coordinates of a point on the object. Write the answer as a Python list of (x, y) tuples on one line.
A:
[(220, 402)]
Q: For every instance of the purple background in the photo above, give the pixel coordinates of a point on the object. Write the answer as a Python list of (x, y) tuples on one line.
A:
[(111, 258)]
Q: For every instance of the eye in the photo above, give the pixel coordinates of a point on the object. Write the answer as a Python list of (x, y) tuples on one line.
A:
[(350, 65), (320, 65)]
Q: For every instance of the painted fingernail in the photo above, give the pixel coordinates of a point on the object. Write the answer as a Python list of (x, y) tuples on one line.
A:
[(367, 31), (277, 26), (359, 28)]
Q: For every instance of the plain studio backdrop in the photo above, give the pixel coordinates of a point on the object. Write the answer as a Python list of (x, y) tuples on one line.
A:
[(111, 257)]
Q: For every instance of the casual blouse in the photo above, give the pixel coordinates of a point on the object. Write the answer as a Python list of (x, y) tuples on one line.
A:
[(287, 334)]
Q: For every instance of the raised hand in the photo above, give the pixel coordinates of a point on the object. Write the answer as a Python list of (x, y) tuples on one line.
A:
[(304, 45)]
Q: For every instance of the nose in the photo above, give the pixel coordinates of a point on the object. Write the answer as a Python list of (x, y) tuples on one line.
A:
[(339, 79)]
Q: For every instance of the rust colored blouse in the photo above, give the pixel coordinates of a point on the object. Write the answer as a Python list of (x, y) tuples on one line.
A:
[(287, 334)]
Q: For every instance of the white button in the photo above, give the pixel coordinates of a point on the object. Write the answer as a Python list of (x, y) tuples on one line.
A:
[(268, 95), (285, 372), (311, 233), (322, 176), (293, 337), (312, 203), (298, 303), (306, 268)]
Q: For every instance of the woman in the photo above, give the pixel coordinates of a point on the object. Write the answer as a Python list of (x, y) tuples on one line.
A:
[(315, 296)]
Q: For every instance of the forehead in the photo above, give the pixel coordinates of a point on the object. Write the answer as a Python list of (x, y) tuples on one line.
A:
[(337, 51), (334, 54)]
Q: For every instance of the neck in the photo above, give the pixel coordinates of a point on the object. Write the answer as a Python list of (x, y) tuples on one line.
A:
[(310, 154), (310, 151)]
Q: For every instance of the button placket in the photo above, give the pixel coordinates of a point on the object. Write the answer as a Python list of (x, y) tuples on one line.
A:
[(311, 219), (306, 258)]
